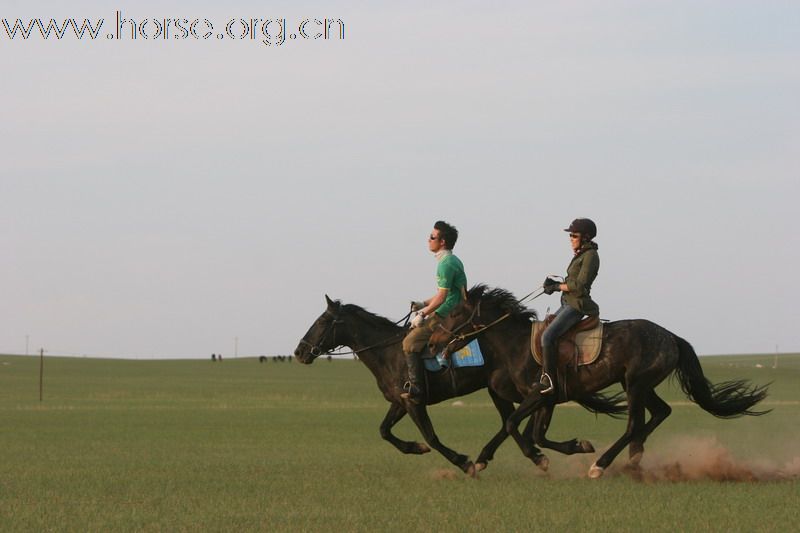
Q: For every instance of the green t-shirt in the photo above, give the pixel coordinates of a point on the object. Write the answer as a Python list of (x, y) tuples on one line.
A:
[(450, 275)]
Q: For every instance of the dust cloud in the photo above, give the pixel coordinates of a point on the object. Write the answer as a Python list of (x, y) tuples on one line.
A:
[(704, 459)]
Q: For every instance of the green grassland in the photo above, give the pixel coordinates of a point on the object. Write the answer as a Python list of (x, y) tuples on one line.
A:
[(238, 445)]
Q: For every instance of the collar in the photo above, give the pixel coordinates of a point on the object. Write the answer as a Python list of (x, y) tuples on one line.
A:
[(441, 254), (585, 247)]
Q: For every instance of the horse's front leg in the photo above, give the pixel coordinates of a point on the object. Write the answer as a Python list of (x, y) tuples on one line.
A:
[(542, 423), (396, 412), (419, 415), (530, 405), (505, 408)]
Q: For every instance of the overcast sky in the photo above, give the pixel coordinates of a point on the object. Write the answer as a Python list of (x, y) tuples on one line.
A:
[(160, 198)]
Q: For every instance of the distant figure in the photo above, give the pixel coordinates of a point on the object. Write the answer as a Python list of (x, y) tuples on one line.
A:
[(214, 357), (330, 358), (262, 358), (219, 357)]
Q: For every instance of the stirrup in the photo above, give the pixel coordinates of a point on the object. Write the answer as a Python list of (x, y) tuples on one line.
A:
[(545, 384), (411, 392)]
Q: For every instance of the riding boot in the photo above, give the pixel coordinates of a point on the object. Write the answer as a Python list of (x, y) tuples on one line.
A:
[(414, 388), (547, 383)]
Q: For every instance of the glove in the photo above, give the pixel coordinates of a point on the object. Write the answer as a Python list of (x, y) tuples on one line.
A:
[(418, 319), (416, 306), (550, 286)]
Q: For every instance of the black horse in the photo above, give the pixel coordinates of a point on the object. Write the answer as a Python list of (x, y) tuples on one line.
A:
[(377, 340), (638, 354)]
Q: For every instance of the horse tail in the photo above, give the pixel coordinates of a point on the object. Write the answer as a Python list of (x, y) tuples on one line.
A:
[(729, 399), (599, 403)]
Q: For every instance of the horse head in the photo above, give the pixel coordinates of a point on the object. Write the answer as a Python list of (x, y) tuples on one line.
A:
[(324, 334)]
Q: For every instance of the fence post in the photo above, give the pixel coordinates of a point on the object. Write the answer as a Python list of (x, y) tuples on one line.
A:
[(41, 372)]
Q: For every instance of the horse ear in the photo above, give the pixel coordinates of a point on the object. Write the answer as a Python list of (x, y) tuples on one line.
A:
[(331, 303)]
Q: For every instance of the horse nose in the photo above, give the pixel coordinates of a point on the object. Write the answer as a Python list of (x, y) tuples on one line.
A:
[(297, 352)]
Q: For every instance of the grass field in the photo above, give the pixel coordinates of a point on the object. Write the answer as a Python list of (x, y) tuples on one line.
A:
[(238, 445)]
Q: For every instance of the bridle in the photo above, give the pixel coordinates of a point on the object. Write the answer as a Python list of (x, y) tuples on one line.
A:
[(316, 349)]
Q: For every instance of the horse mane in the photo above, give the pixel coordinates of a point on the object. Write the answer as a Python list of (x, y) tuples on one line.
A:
[(500, 301), (370, 318)]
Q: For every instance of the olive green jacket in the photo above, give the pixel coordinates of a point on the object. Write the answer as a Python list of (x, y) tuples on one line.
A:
[(580, 274)]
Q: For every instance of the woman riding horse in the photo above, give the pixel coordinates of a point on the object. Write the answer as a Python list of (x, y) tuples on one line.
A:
[(576, 300)]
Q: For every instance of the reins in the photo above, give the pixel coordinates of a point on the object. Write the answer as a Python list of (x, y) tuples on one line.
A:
[(481, 329), (316, 351)]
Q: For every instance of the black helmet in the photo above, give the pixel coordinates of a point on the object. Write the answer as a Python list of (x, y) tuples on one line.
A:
[(584, 226)]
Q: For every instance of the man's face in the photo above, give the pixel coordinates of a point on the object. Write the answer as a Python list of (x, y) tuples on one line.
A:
[(435, 242)]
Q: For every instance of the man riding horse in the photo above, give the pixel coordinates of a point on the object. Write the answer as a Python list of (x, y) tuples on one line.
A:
[(451, 282)]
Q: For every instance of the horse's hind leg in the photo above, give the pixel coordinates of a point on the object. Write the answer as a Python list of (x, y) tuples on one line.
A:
[(396, 412), (636, 403), (505, 408), (419, 415), (659, 411)]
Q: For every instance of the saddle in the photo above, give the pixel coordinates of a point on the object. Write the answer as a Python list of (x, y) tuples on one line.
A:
[(579, 346)]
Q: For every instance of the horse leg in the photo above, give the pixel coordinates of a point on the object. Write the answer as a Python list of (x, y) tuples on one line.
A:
[(396, 412), (529, 406), (659, 411), (636, 403), (419, 415), (567, 447), (505, 408)]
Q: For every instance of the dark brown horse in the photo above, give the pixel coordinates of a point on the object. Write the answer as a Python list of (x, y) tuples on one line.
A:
[(377, 342), (637, 354)]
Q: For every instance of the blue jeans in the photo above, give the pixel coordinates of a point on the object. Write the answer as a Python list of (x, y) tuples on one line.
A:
[(566, 317)]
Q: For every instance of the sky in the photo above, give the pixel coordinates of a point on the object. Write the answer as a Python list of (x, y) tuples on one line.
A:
[(173, 198)]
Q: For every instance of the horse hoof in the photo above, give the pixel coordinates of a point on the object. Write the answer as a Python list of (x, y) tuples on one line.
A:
[(471, 471), (423, 448), (636, 458), (542, 462), (596, 471), (585, 446), (480, 466)]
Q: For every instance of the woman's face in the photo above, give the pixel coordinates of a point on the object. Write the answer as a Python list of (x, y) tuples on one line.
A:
[(575, 240)]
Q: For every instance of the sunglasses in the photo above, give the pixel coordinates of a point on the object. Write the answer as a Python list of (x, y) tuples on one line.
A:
[(574, 235)]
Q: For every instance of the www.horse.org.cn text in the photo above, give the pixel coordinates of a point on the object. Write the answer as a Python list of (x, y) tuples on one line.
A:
[(268, 31)]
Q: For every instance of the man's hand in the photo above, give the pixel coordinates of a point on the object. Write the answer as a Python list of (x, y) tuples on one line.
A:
[(417, 320), (416, 306)]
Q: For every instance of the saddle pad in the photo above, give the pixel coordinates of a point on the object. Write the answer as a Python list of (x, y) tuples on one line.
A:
[(469, 355), (587, 344)]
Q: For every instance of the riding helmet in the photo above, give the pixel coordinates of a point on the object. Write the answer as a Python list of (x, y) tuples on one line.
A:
[(584, 226)]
